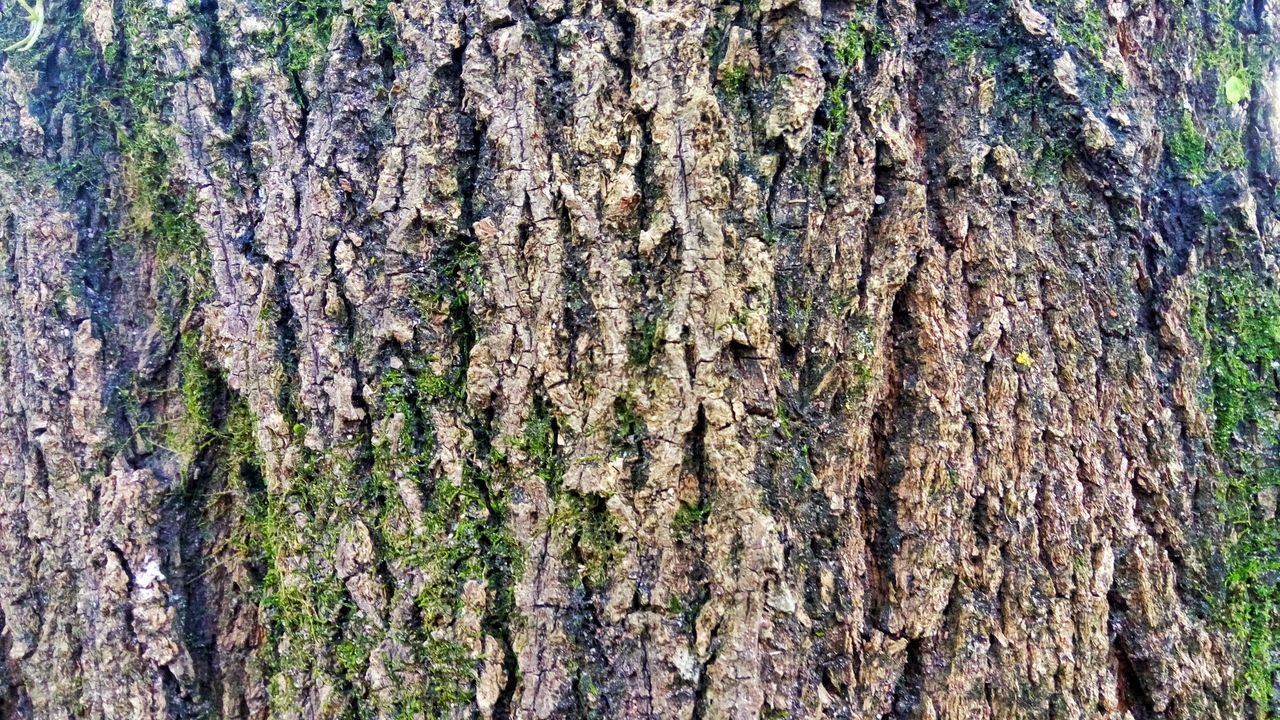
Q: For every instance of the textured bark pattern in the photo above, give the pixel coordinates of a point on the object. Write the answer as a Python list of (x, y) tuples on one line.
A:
[(589, 358)]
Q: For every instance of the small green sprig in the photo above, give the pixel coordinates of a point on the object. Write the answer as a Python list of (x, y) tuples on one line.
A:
[(35, 16)]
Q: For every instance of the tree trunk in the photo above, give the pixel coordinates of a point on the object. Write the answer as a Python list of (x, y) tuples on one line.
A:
[(619, 359)]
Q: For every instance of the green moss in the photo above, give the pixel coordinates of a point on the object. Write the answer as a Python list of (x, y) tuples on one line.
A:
[(850, 46), (238, 441), (539, 442), (1187, 149), (197, 388), (1240, 323), (1228, 149), (736, 80), (307, 29), (784, 421), (462, 535), (859, 39), (1087, 32), (629, 428), (1237, 317), (588, 528), (644, 338), (797, 316), (1049, 157), (433, 387), (590, 531), (452, 672), (124, 402), (690, 517), (803, 469), (295, 533), (836, 118), (963, 45), (377, 30), (157, 211), (1224, 51)]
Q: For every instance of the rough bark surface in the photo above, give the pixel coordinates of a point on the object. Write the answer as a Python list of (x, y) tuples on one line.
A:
[(665, 359)]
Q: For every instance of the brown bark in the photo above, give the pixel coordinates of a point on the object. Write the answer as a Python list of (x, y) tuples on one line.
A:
[(584, 358)]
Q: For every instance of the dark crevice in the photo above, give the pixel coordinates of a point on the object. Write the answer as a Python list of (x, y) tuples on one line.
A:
[(909, 689), (14, 701), (1129, 686), (703, 695), (893, 420), (287, 327)]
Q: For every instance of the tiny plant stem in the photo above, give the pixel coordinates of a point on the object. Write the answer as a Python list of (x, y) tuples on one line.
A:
[(35, 16)]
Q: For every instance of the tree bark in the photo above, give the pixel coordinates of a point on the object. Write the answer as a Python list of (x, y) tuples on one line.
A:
[(665, 359)]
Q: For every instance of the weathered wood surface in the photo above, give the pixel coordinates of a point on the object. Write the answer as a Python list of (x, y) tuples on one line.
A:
[(590, 358)]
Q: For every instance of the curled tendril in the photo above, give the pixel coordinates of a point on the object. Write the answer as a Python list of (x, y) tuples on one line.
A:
[(35, 16)]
